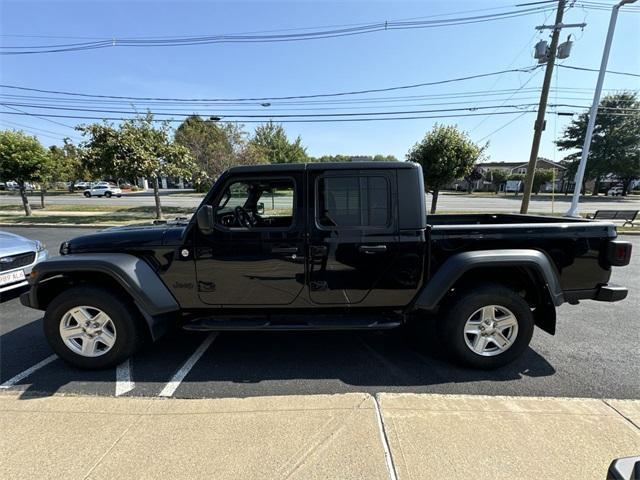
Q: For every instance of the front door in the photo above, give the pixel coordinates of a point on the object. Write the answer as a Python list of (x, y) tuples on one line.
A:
[(255, 254), (352, 233)]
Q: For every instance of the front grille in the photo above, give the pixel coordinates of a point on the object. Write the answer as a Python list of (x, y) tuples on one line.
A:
[(15, 261)]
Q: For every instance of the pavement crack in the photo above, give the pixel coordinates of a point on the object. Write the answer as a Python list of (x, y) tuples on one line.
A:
[(621, 414), (318, 442), (388, 456), (116, 441)]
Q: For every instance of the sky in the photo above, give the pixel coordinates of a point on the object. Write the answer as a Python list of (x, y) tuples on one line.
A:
[(358, 62)]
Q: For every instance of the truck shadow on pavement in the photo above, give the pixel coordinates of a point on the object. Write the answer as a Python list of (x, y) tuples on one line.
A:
[(269, 363)]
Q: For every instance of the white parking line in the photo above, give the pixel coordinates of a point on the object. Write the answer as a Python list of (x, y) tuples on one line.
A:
[(385, 443), (175, 381), (124, 383), (12, 381)]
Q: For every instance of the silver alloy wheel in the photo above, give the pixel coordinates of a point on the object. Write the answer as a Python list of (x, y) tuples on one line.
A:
[(88, 331), (491, 330)]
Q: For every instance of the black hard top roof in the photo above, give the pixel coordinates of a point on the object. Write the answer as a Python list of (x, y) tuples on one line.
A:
[(300, 167)]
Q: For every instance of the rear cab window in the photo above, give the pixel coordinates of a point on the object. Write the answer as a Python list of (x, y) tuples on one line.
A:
[(353, 202)]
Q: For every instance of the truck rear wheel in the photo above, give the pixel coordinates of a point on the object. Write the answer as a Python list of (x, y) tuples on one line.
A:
[(92, 328), (487, 327)]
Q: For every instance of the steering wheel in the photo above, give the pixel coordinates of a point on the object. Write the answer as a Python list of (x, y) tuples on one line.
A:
[(243, 217)]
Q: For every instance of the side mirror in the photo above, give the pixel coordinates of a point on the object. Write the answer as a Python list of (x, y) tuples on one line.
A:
[(260, 208), (204, 218)]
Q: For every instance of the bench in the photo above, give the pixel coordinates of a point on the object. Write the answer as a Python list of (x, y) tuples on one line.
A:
[(628, 216)]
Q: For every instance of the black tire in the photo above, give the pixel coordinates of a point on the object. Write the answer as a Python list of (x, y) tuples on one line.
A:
[(118, 195), (87, 194), (128, 328), (462, 307), (107, 194)]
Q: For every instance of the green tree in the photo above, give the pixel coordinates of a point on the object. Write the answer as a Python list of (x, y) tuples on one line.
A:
[(615, 145), (384, 158), (216, 147), (209, 145), (21, 159), (68, 163), (272, 139), (540, 177), (497, 177), (445, 154), (472, 177), (137, 148)]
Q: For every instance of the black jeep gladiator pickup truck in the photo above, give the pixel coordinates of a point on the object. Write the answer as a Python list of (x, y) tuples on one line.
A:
[(324, 246)]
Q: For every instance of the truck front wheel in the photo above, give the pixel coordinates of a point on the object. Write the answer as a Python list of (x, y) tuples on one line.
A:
[(487, 327), (92, 328)]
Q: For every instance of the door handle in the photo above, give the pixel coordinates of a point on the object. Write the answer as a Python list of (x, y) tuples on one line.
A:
[(284, 250), (370, 249)]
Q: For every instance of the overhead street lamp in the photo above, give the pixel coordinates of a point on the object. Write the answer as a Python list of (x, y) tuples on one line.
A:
[(573, 210)]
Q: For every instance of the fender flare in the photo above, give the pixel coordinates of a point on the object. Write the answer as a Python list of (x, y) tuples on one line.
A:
[(133, 274), (453, 268)]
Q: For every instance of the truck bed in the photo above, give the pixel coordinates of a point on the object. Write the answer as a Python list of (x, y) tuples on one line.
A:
[(574, 245), (452, 225)]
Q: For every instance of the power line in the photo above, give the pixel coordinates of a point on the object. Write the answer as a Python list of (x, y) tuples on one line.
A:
[(469, 95), (35, 130), (288, 97), (43, 118), (531, 77), (364, 116), (315, 120), (262, 38), (187, 114), (613, 72), (175, 112), (503, 126), (317, 27)]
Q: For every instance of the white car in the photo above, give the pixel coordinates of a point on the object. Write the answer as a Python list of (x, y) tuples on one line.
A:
[(18, 255), (103, 190), (615, 191)]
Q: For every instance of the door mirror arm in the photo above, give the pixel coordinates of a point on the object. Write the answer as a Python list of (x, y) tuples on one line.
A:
[(204, 219)]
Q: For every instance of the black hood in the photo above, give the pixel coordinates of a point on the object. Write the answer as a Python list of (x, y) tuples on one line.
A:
[(130, 237)]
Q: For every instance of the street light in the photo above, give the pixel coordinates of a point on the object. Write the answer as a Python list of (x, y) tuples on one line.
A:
[(573, 210)]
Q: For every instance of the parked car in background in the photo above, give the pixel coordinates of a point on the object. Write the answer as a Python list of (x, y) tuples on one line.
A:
[(18, 255), (11, 185), (103, 190), (81, 185), (615, 191)]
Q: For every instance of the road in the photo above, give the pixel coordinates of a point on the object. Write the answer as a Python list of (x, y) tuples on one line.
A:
[(447, 201), (594, 354)]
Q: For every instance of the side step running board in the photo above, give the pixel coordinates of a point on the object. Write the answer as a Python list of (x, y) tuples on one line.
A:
[(295, 322)]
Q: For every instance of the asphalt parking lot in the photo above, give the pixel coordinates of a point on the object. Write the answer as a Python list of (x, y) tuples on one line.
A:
[(595, 353)]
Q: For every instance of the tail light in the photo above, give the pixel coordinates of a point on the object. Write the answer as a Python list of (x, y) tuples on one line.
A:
[(618, 253)]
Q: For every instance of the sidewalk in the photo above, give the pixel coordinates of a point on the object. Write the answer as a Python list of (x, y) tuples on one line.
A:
[(317, 436)]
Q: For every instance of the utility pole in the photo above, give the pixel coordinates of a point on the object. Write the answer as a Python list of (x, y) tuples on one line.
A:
[(573, 211), (542, 107)]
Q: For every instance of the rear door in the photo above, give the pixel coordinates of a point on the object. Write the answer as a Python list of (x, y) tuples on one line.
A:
[(353, 233)]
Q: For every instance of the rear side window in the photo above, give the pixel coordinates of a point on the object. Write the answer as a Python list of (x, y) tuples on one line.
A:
[(353, 202)]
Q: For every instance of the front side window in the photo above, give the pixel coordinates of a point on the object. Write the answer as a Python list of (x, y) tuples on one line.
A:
[(353, 202), (257, 204)]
